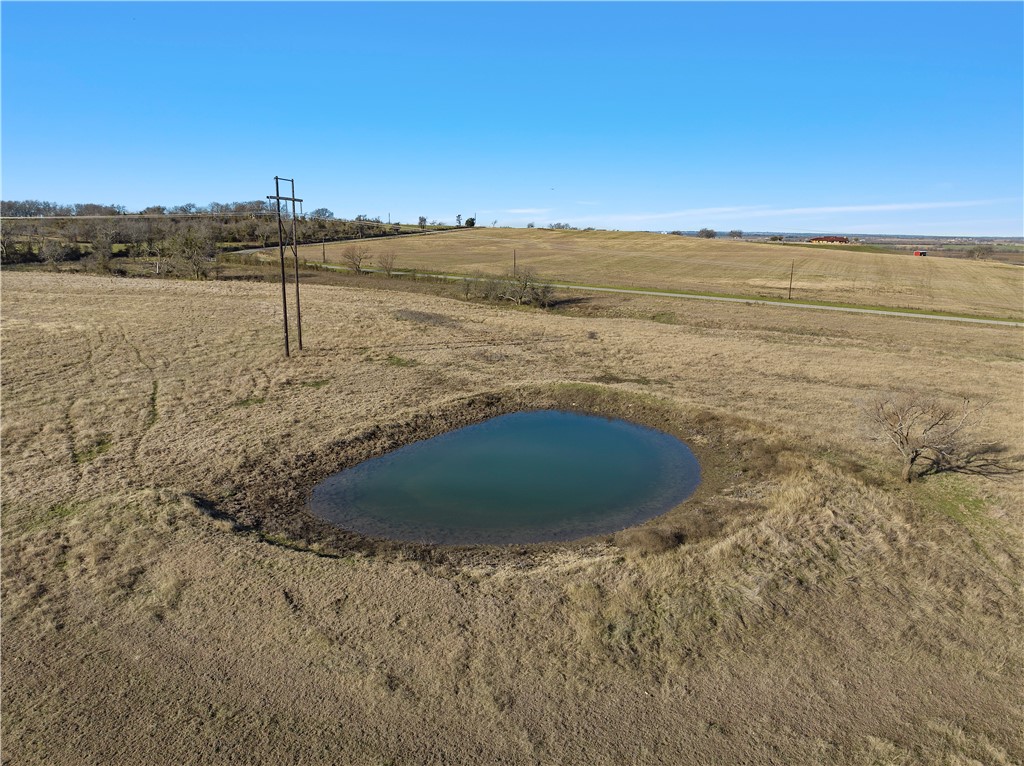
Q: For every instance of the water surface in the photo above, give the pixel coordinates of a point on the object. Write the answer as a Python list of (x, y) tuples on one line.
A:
[(526, 477)]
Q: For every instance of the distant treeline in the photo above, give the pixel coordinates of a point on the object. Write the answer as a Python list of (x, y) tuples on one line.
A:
[(33, 208), (35, 231)]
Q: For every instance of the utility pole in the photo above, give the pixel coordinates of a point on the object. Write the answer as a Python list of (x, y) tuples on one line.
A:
[(295, 253), (791, 269), (280, 245)]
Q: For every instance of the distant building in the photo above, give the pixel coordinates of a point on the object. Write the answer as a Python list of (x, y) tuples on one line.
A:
[(830, 240)]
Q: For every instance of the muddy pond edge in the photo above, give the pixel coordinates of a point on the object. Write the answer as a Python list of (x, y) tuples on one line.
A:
[(272, 501)]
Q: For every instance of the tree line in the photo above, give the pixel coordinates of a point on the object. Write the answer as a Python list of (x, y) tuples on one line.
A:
[(47, 232)]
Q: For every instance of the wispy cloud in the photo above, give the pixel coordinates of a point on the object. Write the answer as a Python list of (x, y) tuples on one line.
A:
[(674, 214), (739, 212), (528, 210), (886, 207)]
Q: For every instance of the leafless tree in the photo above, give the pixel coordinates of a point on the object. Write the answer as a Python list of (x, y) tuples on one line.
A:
[(158, 251), (7, 247), (196, 247), (355, 256), (266, 229), (386, 261), (102, 249), (54, 251), (932, 436), (522, 288)]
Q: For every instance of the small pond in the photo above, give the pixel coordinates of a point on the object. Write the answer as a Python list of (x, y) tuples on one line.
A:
[(527, 477)]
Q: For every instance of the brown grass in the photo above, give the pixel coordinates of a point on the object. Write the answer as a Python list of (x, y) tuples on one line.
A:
[(811, 610), (668, 262)]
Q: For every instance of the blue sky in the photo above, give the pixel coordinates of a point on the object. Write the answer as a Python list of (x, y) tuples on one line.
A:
[(846, 117)]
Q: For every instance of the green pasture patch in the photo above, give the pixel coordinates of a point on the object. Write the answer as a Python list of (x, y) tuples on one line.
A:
[(33, 520), (951, 497), (99, 447)]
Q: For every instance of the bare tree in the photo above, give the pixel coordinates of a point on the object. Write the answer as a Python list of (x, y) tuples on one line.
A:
[(386, 261), (522, 288), (158, 251), (266, 229), (979, 252), (934, 436), (102, 249), (196, 247), (7, 247), (355, 256), (54, 251)]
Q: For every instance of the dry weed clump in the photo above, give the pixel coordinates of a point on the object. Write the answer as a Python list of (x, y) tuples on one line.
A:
[(647, 540)]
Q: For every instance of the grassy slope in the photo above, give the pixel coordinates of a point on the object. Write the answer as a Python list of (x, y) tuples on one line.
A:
[(659, 261), (841, 618)]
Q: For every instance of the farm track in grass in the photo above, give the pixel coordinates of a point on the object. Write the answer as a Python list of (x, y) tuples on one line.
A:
[(721, 298), (681, 264), (816, 611)]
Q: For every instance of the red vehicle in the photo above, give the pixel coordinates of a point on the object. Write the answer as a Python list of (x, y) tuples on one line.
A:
[(920, 252)]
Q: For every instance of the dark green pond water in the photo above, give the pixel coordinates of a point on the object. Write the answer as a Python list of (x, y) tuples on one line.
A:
[(521, 478)]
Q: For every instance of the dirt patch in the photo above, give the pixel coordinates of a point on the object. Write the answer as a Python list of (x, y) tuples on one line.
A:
[(426, 317), (272, 502)]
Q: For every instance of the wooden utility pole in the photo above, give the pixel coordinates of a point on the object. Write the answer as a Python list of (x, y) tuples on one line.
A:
[(791, 269), (295, 253), (295, 250)]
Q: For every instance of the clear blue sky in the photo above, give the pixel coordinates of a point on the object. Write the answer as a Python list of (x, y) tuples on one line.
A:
[(847, 117)]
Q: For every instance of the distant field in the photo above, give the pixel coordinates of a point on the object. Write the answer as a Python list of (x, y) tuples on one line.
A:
[(660, 261)]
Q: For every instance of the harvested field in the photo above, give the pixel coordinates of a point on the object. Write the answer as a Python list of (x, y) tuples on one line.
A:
[(165, 599), (668, 262)]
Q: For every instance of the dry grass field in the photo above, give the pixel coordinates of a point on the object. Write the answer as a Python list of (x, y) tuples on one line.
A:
[(166, 600), (668, 262)]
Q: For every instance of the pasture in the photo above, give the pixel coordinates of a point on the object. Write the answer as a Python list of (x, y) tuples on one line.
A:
[(754, 269), (166, 601)]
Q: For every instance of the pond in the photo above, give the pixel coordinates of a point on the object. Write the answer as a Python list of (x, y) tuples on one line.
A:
[(528, 477)]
